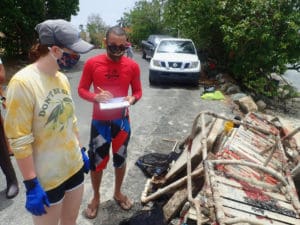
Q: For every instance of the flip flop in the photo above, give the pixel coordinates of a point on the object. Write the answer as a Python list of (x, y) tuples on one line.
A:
[(91, 212), (125, 204)]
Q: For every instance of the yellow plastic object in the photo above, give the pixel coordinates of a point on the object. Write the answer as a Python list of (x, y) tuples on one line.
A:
[(216, 95), (228, 126)]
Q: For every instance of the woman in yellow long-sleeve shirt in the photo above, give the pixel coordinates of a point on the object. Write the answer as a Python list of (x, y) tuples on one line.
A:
[(42, 128)]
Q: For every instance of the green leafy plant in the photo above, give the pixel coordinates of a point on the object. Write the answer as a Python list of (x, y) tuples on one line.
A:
[(18, 19), (251, 38)]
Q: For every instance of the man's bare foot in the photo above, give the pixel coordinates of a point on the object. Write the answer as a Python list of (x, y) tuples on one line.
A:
[(92, 209), (123, 201)]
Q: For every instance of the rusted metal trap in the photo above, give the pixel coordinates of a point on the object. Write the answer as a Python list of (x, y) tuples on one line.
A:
[(241, 168), (249, 181)]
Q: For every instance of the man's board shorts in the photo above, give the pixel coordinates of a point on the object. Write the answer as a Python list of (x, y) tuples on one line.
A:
[(56, 195), (104, 134)]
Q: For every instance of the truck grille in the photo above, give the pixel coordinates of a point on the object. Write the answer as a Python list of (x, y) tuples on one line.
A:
[(175, 65)]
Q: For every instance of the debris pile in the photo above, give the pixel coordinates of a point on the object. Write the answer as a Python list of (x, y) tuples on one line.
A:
[(231, 171)]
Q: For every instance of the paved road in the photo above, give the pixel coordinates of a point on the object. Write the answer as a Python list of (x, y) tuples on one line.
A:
[(163, 112)]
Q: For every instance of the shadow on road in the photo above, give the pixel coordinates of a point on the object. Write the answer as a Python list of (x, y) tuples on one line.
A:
[(4, 202), (175, 85)]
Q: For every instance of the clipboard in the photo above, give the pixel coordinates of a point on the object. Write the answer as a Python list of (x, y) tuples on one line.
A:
[(114, 103)]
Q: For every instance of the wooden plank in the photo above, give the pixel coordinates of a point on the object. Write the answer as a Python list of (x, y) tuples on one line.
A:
[(180, 163), (245, 152), (175, 203), (217, 128), (266, 221), (248, 172), (214, 129), (245, 141), (236, 184), (244, 133), (261, 122), (192, 215), (290, 127), (250, 143), (240, 195), (230, 213), (251, 173), (258, 142), (256, 211)]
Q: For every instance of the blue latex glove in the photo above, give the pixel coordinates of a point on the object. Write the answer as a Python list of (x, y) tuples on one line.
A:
[(36, 197), (86, 160)]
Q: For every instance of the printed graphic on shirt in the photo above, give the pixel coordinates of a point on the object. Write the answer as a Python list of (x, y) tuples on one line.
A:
[(112, 74), (60, 113)]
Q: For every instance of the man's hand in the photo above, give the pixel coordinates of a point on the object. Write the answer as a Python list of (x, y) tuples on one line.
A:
[(36, 197), (103, 96), (130, 99)]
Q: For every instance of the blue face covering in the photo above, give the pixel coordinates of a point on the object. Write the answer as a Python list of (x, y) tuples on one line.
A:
[(68, 61)]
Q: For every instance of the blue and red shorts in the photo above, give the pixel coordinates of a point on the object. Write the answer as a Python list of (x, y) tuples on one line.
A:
[(104, 134)]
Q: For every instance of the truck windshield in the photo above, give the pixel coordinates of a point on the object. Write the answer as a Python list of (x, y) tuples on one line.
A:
[(171, 46)]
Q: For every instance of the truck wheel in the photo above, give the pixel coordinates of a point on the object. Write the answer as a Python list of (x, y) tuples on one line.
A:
[(196, 83), (151, 79)]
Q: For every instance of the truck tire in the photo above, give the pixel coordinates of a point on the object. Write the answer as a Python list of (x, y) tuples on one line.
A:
[(151, 79)]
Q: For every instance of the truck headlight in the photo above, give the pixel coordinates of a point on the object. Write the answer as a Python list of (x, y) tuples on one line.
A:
[(194, 65), (156, 63)]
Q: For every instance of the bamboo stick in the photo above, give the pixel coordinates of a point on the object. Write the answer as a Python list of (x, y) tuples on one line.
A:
[(291, 189), (146, 189), (282, 139), (257, 166), (192, 200), (272, 152), (170, 187), (291, 134), (210, 175), (204, 138), (189, 188), (275, 188), (245, 124)]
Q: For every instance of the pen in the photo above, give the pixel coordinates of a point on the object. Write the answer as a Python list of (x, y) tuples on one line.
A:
[(100, 89), (106, 93)]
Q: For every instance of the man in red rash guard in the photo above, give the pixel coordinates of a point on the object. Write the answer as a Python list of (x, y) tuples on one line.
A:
[(111, 75)]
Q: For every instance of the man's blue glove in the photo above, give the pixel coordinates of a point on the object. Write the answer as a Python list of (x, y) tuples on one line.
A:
[(86, 160), (36, 197)]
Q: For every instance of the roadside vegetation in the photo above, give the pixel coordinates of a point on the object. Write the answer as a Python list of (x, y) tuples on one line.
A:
[(249, 39), (18, 19)]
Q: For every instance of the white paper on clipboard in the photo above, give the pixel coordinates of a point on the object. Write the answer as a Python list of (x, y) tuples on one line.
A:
[(114, 103)]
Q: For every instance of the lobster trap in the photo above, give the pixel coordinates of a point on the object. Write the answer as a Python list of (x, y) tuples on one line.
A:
[(241, 171)]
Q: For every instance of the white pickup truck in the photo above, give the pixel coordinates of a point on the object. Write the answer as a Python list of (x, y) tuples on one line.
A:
[(149, 45), (175, 60)]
